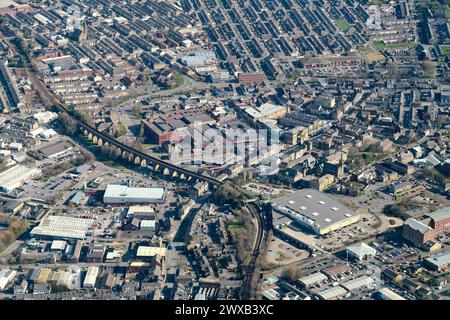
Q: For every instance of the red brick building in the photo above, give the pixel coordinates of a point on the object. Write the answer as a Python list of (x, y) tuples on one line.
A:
[(420, 232), (251, 78)]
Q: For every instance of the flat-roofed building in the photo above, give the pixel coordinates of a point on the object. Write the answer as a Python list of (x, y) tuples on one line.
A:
[(361, 251), (333, 293), (6, 277), (121, 194), (91, 277), (141, 212), (44, 275), (58, 245), (315, 210)]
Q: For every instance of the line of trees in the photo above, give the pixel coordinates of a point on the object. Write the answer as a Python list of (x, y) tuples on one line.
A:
[(228, 195), (15, 228)]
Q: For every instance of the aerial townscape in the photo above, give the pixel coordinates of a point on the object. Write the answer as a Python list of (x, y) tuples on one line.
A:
[(224, 150)]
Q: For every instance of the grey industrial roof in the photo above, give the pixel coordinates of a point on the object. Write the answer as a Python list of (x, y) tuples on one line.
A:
[(52, 149), (417, 225), (320, 208), (361, 249), (63, 227), (313, 278), (122, 191), (357, 283), (440, 214), (332, 293), (440, 259)]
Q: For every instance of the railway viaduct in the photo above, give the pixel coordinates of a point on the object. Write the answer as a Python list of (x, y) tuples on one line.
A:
[(141, 159)]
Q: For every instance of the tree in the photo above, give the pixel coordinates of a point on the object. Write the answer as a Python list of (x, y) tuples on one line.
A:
[(120, 131), (67, 124), (138, 145), (291, 274), (228, 195), (136, 110)]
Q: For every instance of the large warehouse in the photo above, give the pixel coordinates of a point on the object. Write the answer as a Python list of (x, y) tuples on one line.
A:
[(315, 210), (16, 176), (121, 194), (333, 293), (56, 227)]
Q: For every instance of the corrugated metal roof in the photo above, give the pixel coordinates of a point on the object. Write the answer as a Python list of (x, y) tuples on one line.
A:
[(363, 281), (440, 214), (417, 225), (313, 278), (332, 293)]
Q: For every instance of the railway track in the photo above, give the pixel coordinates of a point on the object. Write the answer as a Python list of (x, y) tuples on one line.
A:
[(249, 271)]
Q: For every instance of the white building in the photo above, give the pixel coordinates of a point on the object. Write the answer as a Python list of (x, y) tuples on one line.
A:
[(91, 277), (45, 117), (120, 194), (56, 227), (16, 176), (388, 294), (6, 277), (48, 133), (361, 251)]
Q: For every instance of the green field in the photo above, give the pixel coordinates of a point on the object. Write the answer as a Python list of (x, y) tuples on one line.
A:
[(179, 80), (235, 226), (343, 24), (445, 50)]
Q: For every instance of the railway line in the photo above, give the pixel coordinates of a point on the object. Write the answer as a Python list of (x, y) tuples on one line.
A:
[(249, 271)]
